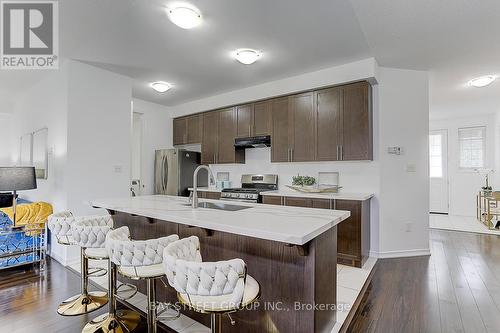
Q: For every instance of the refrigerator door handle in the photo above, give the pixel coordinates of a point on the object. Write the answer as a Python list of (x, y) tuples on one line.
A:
[(165, 179)]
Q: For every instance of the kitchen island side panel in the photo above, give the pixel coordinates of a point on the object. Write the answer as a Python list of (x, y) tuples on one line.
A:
[(289, 276)]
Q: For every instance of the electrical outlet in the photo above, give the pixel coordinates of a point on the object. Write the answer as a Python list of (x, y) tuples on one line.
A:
[(408, 226), (411, 167), (117, 169)]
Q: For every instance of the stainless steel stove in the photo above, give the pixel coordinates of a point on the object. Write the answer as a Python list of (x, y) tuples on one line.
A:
[(251, 188)]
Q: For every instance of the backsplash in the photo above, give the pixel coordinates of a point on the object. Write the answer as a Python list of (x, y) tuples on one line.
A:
[(354, 176)]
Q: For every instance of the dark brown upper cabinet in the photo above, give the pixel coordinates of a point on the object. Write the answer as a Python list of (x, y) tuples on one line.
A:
[(226, 152), (344, 123), (332, 124), (302, 129), (357, 127), (219, 131), (188, 130), (180, 131), (210, 137), (329, 132), (194, 128), (280, 149), (262, 118), (244, 120), (253, 119)]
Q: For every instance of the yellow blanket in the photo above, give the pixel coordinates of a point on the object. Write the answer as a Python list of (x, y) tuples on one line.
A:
[(34, 215)]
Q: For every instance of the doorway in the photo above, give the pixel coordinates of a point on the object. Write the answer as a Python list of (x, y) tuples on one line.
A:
[(438, 172), (136, 167)]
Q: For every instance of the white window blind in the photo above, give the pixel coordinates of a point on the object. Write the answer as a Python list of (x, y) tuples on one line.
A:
[(436, 156), (472, 147)]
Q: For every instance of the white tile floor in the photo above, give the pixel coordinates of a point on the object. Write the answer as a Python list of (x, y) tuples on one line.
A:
[(459, 223), (350, 281)]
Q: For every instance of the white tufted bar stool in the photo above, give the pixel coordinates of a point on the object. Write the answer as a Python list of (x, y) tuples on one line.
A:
[(216, 288), (90, 234), (140, 260), (60, 224)]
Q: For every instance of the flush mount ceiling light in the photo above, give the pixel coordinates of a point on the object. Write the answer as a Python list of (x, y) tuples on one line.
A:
[(160, 86), (184, 16), (482, 81), (247, 56)]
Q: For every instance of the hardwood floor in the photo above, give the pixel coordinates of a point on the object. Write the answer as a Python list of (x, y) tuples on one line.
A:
[(28, 301), (457, 289)]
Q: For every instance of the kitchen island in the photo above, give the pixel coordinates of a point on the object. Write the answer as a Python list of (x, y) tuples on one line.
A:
[(290, 251)]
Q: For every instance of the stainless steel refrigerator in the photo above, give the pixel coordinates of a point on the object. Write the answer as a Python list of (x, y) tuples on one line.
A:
[(174, 170)]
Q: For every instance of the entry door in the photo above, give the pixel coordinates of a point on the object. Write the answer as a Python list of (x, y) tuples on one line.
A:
[(438, 171)]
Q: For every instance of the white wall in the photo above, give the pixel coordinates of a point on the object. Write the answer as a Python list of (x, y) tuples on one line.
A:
[(157, 134), (6, 148), (88, 113), (464, 184), (404, 195)]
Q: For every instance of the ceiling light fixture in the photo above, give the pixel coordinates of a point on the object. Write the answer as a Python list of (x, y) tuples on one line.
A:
[(482, 81), (184, 17), (247, 56), (160, 86)]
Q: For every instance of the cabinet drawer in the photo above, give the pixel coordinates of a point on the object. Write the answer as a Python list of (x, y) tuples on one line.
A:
[(271, 200)]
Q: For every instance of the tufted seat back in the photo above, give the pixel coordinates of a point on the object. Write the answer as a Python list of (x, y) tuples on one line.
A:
[(187, 274), (90, 231), (126, 252), (60, 225)]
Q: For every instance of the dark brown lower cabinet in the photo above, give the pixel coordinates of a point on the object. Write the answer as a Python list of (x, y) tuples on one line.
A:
[(209, 195), (353, 243)]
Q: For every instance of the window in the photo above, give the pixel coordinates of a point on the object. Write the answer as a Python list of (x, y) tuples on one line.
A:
[(472, 147), (436, 156)]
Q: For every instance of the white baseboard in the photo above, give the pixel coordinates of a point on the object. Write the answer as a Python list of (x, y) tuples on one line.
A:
[(57, 258), (401, 254)]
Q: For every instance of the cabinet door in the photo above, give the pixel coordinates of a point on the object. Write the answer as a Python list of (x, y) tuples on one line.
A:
[(357, 122), (322, 203), (262, 118), (271, 200), (227, 133), (244, 120), (279, 136), (179, 131), (212, 195), (302, 127), (349, 230), (329, 125), (210, 134), (194, 128), (298, 202)]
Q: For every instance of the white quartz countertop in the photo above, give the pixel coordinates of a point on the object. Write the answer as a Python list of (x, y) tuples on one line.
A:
[(291, 193), (293, 225), (336, 196)]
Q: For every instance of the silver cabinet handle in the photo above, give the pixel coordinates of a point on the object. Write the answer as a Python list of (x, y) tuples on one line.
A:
[(338, 155), (342, 153)]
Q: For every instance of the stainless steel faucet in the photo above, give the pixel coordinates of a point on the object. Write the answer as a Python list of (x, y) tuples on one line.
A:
[(195, 183)]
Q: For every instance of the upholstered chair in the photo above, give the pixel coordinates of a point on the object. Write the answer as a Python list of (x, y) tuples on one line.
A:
[(140, 260), (60, 225), (215, 288)]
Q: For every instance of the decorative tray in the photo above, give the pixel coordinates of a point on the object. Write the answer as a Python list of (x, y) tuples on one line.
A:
[(315, 189)]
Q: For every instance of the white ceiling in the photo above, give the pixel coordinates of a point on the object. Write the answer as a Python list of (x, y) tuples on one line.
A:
[(454, 39)]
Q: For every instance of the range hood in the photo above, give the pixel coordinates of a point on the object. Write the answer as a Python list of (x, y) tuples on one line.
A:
[(253, 142)]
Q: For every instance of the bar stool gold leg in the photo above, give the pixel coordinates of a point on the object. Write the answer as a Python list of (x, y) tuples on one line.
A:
[(121, 321), (215, 323), (86, 301), (151, 310)]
